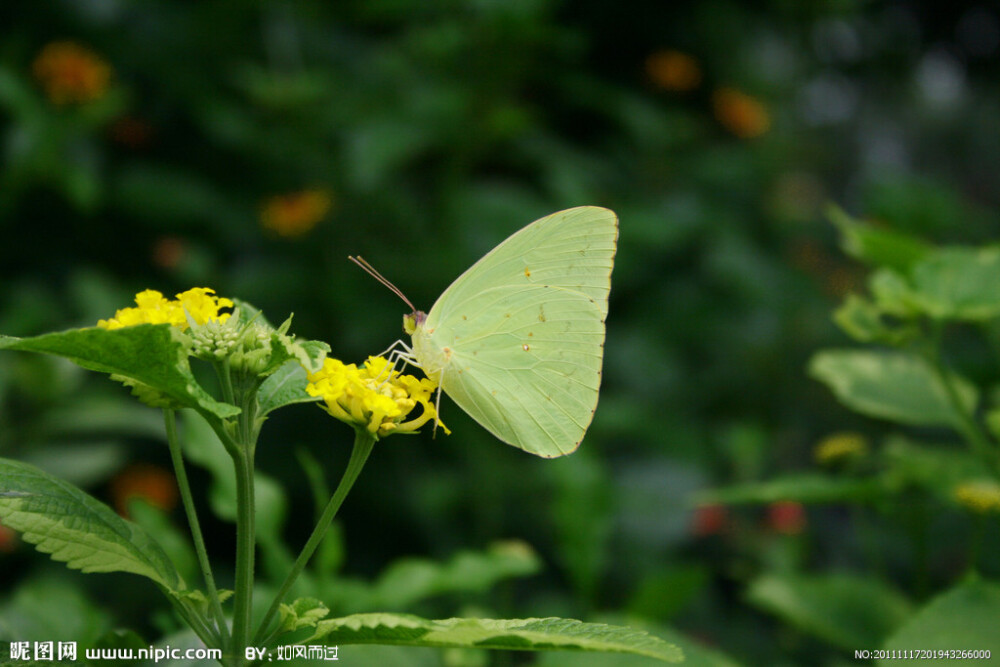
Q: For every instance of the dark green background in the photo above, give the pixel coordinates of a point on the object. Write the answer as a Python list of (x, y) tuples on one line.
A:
[(441, 127)]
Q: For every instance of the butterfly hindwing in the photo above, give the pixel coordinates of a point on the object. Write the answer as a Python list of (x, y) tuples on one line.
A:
[(528, 367), (523, 331)]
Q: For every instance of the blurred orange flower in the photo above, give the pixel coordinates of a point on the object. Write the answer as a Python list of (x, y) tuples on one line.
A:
[(709, 520), (786, 517), (739, 113), (150, 483), (71, 74), (8, 540), (131, 132), (296, 213), (673, 70), (168, 251)]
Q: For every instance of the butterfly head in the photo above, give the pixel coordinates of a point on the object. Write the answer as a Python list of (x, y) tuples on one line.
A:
[(413, 321)]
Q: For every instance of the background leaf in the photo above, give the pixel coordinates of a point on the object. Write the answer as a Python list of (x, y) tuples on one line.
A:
[(890, 385), (843, 609), (961, 618)]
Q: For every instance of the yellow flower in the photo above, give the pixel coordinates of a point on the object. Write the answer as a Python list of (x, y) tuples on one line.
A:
[(296, 213), (673, 70), (839, 447), (979, 496), (71, 74), (153, 308), (739, 113), (375, 397)]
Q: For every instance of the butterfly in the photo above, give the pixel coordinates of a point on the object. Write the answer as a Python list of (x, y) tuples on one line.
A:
[(517, 341)]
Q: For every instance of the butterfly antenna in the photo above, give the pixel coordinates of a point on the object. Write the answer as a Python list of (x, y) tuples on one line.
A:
[(370, 270)]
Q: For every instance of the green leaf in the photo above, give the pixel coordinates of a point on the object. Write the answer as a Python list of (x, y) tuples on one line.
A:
[(803, 488), (846, 610), (284, 387), (61, 520), (890, 385), (963, 618), (862, 320), (893, 294), (959, 283), (531, 634), (875, 245), (938, 470), (49, 608), (303, 613), (153, 354), (410, 580), (696, 653)]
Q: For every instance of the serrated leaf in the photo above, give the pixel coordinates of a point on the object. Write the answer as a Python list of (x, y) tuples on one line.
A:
[(963, 618), (803, 488), (303, 613), (696, 652), (284, 387), (843, 609), (531, 634), (894, 386), (152, 354), (74, 528)]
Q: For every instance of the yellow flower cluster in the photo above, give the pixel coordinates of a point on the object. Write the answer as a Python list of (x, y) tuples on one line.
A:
[(979, 496), (71, 74), (375, 397), (839, 447), (153, 308), (296, 213), (739, 113)]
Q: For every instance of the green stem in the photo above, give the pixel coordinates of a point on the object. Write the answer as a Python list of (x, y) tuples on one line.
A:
[(170, 421), (245, 546), (976, 541), (364, 442), (967, 425)]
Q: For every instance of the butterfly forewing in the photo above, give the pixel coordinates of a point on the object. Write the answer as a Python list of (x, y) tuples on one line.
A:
[(573, 249), (523, 331)]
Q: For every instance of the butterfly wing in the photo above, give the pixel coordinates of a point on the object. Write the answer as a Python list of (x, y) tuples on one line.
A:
[(519, 337)]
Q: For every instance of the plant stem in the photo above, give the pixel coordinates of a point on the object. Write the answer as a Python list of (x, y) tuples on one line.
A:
[(170, 421), (364, 442), (245, 547), (967, 425)]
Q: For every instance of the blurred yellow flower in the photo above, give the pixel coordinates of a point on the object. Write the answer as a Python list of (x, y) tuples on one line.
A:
[(739, 113), (673, 70), (375, 397), (980, 496), (71, 74), (296, 213), (839, 447), (153, 308)]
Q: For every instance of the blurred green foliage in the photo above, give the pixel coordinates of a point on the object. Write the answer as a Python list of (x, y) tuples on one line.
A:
[(419, 135)]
